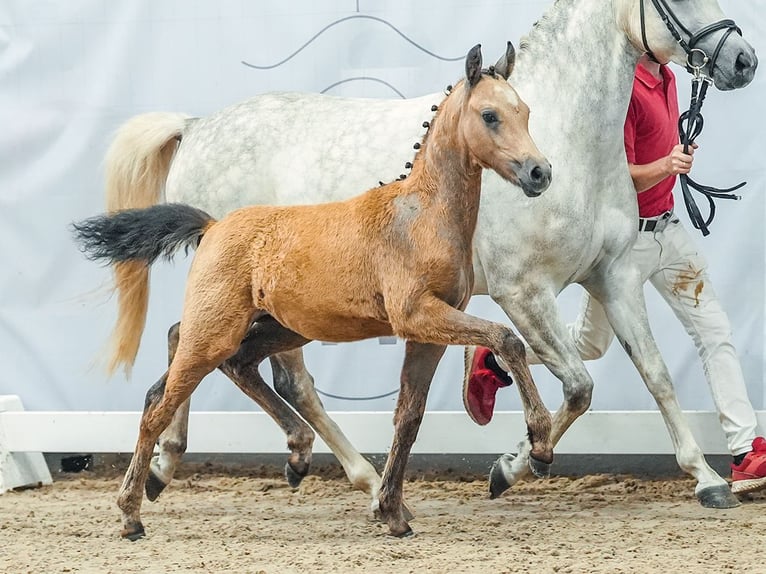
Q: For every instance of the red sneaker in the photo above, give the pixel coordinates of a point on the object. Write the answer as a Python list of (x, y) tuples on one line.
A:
[(750, 475), (480, 384)]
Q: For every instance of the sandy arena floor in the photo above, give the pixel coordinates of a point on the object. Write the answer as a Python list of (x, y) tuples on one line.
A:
[(246, 522)]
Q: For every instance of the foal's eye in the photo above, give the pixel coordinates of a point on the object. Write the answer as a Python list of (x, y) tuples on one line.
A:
[(489, 117)]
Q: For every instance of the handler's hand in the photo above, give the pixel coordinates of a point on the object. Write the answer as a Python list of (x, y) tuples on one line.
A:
[(678, 162)]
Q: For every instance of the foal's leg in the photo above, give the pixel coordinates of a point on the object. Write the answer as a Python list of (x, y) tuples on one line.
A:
[(420, 362), (267, 337), (554, 346), (434, 321), (172, 442), (623, 300), (209, 334), (296, 385), (162, 401)]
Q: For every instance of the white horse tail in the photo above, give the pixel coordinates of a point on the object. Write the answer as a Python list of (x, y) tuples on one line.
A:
[(137, 165)]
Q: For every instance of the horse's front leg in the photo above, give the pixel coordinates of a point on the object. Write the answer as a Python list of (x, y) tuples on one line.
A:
[(296, 385), (623, 300), (538, 320), (420, 362)]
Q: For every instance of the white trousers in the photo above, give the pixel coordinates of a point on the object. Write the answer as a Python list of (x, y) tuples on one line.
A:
[(670, 260)]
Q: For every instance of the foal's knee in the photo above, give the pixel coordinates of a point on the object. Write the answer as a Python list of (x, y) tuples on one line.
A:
[(513, 346)]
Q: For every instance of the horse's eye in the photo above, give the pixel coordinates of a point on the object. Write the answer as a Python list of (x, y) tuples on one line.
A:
[(489, 117)]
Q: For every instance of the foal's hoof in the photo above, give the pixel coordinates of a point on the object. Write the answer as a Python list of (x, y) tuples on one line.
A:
[(718, 496), (133, 532), (153, 486), (498, 484), (539, 468), (402, 533), (295, 476)]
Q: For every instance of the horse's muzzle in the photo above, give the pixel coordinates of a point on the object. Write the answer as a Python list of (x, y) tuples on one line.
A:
[(739, 73)]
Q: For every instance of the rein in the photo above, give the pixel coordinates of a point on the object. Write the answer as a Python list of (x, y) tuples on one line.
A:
[(690, 122)]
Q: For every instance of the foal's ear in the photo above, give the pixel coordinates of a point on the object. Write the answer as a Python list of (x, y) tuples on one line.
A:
[(504, 65), (473, 66)]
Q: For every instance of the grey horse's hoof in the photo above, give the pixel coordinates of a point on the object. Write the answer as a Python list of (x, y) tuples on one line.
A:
[(498, 484), (294, 477), (153, 486), (539, 468), (134, 532), (719, 496)]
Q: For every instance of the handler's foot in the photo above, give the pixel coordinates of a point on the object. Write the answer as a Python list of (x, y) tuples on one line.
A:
[(480, 385), (750, 474)]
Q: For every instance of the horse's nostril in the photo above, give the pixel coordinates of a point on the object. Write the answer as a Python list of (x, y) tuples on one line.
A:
[(537, 173), (744, 61)]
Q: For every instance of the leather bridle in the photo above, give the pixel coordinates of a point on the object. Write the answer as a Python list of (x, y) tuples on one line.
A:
[(690, 123)]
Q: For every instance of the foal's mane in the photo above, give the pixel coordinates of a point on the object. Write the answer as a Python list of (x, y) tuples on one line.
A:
[(450, 90)]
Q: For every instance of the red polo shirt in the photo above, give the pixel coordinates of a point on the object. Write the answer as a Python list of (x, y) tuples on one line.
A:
[(651, 131)]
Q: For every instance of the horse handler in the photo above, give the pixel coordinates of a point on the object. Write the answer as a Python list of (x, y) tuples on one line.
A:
[(667, 257)]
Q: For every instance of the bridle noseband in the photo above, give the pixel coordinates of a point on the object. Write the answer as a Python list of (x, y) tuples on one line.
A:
[(690, 47), (690, 123)]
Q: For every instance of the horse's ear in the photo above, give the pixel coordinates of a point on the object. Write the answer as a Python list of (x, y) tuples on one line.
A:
[(504, 65), (473, 66)]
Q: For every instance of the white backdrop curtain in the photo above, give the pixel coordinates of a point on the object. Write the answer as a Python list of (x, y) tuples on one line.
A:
[(72, 71)]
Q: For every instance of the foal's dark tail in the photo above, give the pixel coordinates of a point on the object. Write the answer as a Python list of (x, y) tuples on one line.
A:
[(138, 236)]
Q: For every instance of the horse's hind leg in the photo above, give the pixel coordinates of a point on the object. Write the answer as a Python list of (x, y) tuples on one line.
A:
[(293, 382)]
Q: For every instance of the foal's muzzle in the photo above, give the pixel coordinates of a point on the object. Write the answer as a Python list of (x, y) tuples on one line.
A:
[(534, 177)]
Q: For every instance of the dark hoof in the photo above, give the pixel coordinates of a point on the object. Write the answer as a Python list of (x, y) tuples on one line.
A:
[(498, 484), (408, 533), (293, 476), (539, 468), (134, 532), (153, 486), (719, 496)]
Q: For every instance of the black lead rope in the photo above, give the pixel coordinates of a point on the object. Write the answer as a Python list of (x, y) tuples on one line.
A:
[(689, 127), (690, 123)]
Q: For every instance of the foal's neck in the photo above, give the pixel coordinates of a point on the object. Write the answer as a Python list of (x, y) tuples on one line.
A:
[(445, 175)]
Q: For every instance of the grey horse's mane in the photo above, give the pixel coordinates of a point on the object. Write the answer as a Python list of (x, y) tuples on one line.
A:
[(541, 26)]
